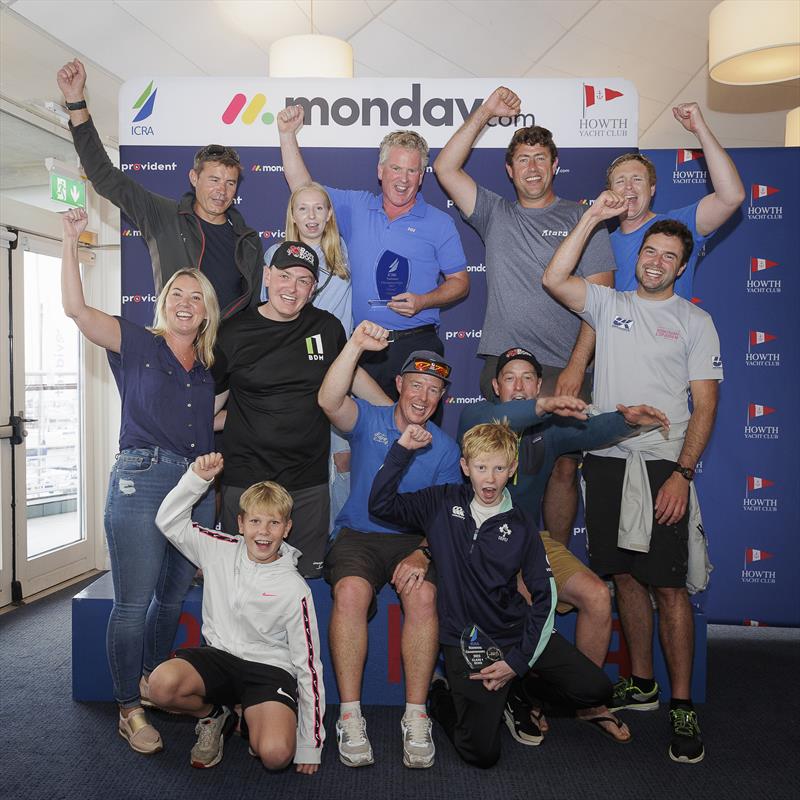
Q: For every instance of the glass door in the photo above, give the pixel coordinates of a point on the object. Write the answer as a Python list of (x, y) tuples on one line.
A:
[(46, 463)]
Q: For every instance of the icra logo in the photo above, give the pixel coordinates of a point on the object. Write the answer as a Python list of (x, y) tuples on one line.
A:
[(250, 114), (144, 108), (755, 355), (755, 483), (750, 573), (595, 98), (692, 174), (758, 208), (760, 285), (475, 333), (751, 431)]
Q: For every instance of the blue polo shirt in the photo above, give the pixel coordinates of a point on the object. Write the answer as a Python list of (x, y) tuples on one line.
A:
[(626, 251), (372, 436), (426, 236), (163, 405)]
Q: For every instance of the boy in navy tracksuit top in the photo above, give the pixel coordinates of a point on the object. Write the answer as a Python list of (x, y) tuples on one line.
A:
[(479, 541)]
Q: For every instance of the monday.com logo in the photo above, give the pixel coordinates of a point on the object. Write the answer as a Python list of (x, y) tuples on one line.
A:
[(412, 110)]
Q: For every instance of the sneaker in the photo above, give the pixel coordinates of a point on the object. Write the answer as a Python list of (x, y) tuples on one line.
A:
[(520, 721), (139, 733), (354, 747), (418, 747), (686, 745), (211, 733), (628, 695)]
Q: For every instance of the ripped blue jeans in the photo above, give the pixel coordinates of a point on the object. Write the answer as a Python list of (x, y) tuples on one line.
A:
[(150, 576)]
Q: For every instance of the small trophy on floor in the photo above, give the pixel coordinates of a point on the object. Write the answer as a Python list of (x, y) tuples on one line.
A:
[(478, 648)]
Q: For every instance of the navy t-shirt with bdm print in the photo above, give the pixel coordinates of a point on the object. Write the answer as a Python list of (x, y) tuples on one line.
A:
[(275, 429)]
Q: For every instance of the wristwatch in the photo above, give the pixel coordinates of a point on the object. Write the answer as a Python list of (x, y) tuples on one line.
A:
[(426, 551), (76, 106), (687, 472)]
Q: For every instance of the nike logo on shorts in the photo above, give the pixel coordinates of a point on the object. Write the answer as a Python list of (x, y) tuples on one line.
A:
[(279, 690)]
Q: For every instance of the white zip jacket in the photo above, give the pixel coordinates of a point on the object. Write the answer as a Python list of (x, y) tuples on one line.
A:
[(258, 612)]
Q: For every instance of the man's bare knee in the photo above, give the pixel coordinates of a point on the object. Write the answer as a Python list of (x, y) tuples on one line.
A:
[(565, 471), (420, 605), (352, 595), (669, 598)]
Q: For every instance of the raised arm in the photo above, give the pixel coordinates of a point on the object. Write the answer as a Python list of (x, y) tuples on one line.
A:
[(71, 80), (728, 194), (290, 120), (449, 164), (558, 279), (98, 327), (334, 394)]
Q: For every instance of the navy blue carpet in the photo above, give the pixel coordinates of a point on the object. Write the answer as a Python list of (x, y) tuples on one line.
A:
[(53, 747)]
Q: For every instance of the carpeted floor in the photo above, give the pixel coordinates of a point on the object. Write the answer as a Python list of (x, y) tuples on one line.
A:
[(55, 748)]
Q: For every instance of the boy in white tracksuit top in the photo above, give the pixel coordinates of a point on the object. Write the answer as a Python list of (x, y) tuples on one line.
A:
[(259, 624)]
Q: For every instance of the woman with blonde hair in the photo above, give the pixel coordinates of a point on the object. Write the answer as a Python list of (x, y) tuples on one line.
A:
[(310, 219), (167, 416)]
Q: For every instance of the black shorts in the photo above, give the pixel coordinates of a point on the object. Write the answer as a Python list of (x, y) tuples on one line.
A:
[(371, 556), (229, 679), (666, 562)]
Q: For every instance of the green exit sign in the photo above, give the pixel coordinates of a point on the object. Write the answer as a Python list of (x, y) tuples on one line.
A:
[(71, 191)]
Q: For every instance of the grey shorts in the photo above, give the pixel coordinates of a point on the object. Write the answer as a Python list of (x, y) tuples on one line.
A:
[(371, 556)]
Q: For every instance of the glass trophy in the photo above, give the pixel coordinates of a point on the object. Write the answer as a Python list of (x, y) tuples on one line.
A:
[(478, 648), (392, 274)]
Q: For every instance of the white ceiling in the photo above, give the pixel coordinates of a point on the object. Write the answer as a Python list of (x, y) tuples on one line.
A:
[(660, 45)]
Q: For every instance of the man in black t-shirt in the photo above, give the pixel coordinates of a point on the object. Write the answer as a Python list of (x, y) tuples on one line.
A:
[(272, 360)]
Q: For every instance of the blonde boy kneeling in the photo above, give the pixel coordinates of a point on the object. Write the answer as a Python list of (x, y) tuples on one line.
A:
[(260, 627)]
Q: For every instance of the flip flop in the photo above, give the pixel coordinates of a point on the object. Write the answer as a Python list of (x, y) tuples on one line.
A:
[(597, 724), (537, 715)]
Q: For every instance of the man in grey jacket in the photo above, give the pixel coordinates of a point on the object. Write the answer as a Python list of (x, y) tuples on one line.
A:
[(200, 230)]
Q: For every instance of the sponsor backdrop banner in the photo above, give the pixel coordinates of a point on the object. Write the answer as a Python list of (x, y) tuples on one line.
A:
[(593, 120), (747, 280)]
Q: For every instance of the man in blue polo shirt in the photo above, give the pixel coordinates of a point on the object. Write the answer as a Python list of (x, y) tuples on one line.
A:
[(633, 175), (367, 553), (398, 247)]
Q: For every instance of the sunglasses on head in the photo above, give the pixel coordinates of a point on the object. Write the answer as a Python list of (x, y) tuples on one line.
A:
[(442, 370), (212, 151)]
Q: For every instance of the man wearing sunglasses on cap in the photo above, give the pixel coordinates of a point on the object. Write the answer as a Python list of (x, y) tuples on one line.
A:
[(367, 554), (200, 230)]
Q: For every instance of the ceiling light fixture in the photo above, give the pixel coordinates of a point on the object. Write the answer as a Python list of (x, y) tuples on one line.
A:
[(752, 42), (310, 56)]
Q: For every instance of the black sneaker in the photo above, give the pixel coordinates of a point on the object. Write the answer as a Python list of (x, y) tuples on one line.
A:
[(628, 695), (517, 714), (686, 746)]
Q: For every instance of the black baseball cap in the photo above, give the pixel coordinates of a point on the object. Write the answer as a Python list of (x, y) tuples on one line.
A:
[(295, 254), (515, 353)]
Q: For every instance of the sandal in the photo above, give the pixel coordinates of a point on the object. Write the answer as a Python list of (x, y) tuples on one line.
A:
[(599, 724), (139, 733), (537, 715)]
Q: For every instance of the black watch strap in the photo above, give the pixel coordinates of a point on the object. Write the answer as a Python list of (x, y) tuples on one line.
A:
[(687, 472), (426, 551), (76, 106)]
